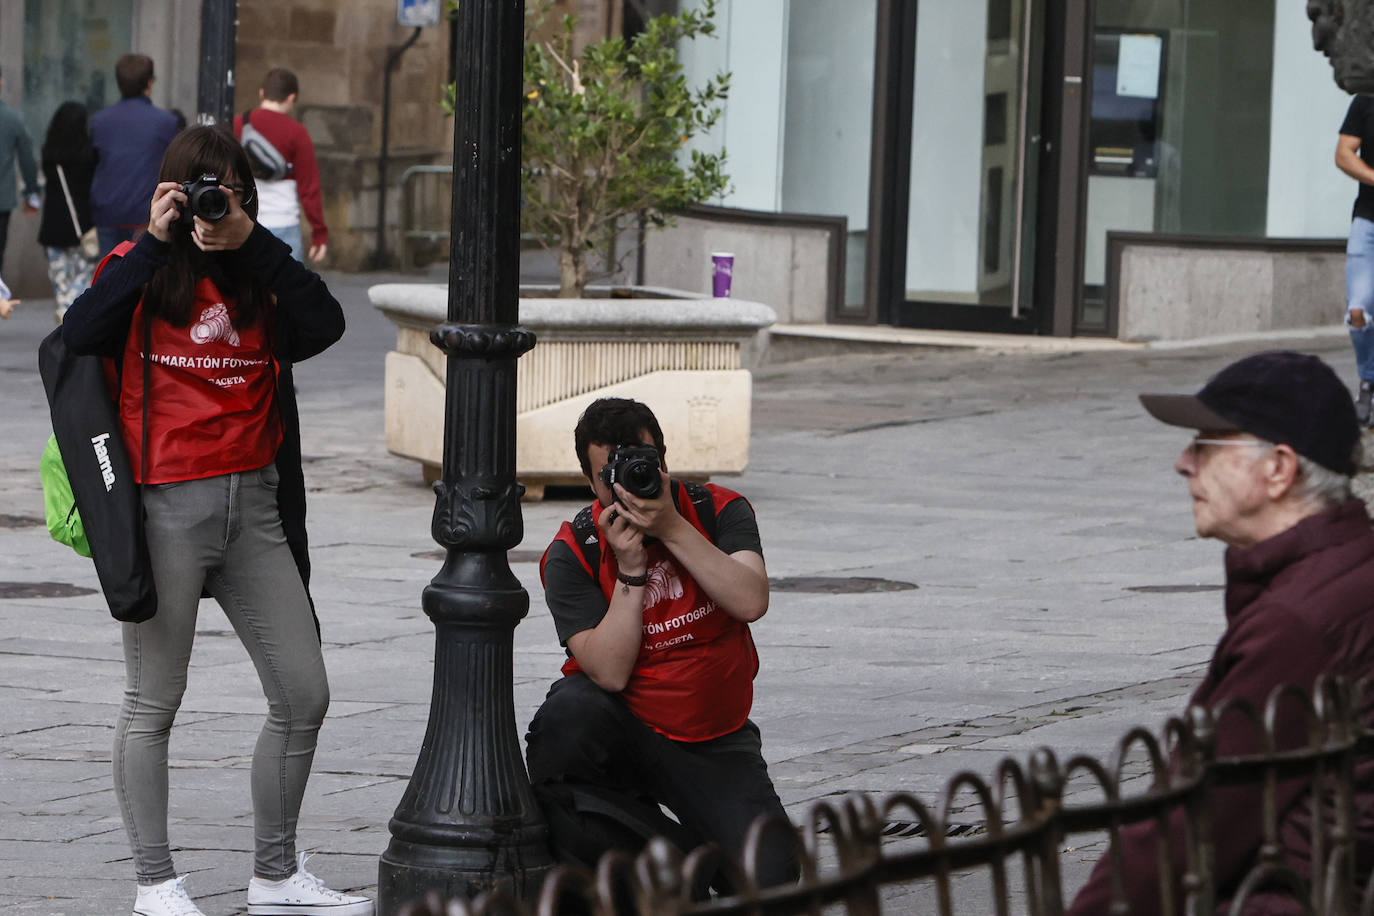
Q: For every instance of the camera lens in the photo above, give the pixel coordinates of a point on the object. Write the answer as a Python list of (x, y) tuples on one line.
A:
[(642, 479), (210, 204)]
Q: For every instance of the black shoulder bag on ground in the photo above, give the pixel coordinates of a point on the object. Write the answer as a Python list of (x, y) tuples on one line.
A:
[(86, 423)]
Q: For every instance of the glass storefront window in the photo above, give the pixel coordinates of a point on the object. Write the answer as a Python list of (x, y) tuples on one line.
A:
[(828, 130), (1179, 135), (70, 48), (797, 126), (971, 206), (1308, 196), (1204, 117)]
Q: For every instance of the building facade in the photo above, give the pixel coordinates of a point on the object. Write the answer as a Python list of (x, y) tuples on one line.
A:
[(975, 164), (981, 151), (54, 50)]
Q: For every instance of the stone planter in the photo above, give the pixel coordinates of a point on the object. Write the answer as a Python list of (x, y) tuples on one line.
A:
[(687, 358)]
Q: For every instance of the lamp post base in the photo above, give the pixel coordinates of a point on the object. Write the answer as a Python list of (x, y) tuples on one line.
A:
[(408, 871)]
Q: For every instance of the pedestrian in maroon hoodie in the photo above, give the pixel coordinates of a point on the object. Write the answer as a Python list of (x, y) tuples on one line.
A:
[(1269, 475), (288, 176)]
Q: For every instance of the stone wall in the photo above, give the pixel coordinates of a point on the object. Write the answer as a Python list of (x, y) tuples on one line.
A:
[(1184, 289), (789, 263), (338, 49), (595, 18)]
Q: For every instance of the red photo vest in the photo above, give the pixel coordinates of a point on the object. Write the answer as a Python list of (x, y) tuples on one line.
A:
[(694, 677), (212, 406)]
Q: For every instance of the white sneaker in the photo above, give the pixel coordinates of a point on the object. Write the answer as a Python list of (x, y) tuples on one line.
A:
[(166, 899), (302, 894)]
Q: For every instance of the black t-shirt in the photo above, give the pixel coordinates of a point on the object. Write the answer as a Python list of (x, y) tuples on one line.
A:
[(576, 599), (1359, 122)]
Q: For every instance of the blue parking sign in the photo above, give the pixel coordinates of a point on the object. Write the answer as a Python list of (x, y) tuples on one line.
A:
[(418, 12)]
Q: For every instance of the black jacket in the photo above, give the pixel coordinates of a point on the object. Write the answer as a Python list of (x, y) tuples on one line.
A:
[(307, 317), (55, 228)]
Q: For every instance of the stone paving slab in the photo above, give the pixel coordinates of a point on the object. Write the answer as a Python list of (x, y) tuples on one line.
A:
[(1025, 494)]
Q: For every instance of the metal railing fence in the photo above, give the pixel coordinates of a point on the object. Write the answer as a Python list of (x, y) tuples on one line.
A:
[(1028, 814), (426, 203)]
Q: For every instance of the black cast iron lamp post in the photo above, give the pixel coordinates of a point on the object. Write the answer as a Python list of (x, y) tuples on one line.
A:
[(468, 821), (219, 20)]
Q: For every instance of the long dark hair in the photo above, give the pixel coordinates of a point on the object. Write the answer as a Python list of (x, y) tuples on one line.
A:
[(68, 140), (171, 292)]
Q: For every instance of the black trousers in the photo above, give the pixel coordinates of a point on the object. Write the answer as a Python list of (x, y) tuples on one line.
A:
[(600, 774), (4, 236)]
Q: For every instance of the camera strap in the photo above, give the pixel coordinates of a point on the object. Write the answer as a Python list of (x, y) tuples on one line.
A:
[(584, 525)]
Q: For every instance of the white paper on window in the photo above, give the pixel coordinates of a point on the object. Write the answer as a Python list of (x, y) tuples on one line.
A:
[(1137, 67)]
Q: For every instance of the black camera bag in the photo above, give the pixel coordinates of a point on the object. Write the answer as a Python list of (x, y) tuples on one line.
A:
[(108, 498)]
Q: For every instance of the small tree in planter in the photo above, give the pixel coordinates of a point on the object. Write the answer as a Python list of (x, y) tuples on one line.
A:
[(602, 133)]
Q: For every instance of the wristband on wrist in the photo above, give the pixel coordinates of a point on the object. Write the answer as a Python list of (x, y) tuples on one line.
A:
[(641, 579)]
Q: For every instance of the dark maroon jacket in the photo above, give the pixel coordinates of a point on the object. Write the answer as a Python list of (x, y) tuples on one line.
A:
[(1297, 605)]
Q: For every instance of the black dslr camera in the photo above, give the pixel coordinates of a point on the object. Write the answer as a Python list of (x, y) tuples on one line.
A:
[(204, 199), (636, 468)]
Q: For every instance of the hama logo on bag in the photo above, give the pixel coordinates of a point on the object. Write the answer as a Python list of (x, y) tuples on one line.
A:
[(102, 455)]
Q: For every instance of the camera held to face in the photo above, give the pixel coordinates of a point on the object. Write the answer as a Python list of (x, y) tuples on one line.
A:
[(205, 199), (636, 468)]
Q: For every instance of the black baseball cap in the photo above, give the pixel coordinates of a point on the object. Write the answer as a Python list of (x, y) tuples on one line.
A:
[(1283, 397)]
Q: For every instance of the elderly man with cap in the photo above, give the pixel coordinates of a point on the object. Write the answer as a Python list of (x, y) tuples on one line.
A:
[(1269, 475)]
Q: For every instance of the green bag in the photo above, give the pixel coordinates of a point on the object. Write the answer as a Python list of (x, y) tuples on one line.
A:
[(64, 522)]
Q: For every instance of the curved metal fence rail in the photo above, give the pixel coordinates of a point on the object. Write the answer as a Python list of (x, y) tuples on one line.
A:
[(1028, 814)]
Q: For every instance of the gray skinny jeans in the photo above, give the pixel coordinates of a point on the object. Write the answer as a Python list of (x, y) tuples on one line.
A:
[(223, 533)]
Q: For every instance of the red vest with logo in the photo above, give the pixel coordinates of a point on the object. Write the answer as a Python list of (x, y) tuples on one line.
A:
[(694, 677), (212, 406)]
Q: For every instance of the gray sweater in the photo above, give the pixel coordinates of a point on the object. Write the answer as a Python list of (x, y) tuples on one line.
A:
[(14, 141)]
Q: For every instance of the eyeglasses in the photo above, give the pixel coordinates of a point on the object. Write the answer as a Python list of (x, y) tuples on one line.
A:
[(1195, 447)]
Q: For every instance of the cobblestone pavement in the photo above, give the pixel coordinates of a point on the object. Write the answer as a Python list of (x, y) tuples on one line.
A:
[(1060, 597)]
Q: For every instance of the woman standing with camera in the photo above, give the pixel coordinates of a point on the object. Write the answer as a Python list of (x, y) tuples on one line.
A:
[(206, 317), (68, 166)]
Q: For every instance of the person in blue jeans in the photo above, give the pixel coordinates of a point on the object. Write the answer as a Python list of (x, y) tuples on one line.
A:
[(1355, 157)]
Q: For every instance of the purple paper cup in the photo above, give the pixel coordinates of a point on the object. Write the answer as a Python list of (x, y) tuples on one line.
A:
[(722, 269)]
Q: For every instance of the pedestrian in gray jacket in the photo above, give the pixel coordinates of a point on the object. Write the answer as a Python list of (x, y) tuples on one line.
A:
[(14, 144)]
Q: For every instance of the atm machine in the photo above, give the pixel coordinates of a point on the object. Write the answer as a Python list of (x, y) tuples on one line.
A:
[(1124, 148)]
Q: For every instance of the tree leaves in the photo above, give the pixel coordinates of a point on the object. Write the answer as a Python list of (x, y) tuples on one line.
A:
[(603, 130)]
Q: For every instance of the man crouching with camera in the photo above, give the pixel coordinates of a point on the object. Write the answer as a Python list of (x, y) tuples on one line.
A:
[(652, 589)]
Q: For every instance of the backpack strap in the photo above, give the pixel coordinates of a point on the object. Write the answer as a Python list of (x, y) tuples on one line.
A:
[(584, 526), (705, 505), (117, 251), (584, 532), (147, 382)]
